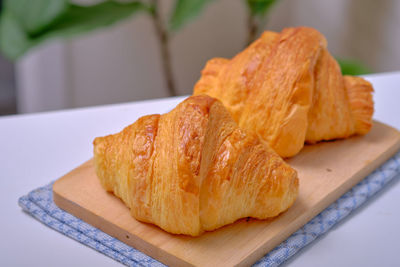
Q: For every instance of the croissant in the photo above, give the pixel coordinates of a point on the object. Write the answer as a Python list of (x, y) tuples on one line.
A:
[(193, 169), (287, 88)]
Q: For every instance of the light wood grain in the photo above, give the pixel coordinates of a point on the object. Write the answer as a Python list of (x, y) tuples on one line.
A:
[(326, 171)]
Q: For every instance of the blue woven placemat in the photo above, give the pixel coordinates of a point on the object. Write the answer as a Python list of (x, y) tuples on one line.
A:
[(39, 203)]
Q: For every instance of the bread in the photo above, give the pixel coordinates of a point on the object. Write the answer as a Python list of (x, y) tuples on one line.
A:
[(193, 169), (287, 88)]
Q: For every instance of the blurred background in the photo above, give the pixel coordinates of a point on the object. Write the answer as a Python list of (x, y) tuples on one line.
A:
[(124, 62)]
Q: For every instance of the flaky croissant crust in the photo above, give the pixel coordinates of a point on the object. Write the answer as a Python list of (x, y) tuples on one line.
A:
[(286, 88), (193, 169)]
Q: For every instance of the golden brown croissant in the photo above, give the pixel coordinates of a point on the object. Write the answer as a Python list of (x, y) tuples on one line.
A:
[(193, 169), (288, 89)]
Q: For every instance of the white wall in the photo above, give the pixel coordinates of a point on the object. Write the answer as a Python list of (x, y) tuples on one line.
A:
[(122, 63)]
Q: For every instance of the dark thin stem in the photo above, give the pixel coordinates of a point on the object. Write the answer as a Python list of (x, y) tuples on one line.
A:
[(163, 38), (252, 28)]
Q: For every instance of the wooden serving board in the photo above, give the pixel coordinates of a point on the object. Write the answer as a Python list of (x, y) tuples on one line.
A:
[(326, 171)]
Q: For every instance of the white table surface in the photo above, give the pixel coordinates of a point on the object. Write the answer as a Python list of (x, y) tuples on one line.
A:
[(38, 148)]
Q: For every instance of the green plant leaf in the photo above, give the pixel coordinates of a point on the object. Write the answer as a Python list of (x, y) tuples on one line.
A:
[(260, 7), (35, 15), (15, 41), (81, 19), (352, 67), (184, 10)]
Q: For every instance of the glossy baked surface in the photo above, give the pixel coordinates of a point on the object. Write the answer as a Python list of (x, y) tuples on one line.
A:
[(193, 169), (287, 88)]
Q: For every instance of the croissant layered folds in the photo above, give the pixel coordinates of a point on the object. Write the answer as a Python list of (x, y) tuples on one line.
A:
[(288, 89), (193, 169)]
